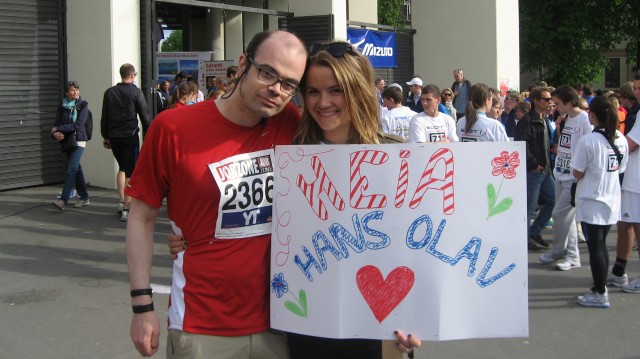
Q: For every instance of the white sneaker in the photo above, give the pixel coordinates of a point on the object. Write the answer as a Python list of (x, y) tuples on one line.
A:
[(567, 264), (125, 215), (547, 258), (617, 281), (594, 299), (120, 207), (633, 286), (82, 203)]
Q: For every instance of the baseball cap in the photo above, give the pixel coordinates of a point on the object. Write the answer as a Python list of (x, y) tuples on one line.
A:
[(415, 81)]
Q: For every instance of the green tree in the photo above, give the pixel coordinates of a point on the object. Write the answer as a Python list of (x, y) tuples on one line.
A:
[(563, 41), (173, 43), (390, 13), (630, 20)]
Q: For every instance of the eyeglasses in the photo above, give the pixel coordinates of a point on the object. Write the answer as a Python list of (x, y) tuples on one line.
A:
[(548, 99), (335, 49), (447, 94), (270, 78)]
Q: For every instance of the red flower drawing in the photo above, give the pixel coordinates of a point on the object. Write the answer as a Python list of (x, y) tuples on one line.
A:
[(505, 164)]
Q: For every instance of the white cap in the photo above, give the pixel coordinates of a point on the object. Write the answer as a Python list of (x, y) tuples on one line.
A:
[(415, 81), (396, 85)]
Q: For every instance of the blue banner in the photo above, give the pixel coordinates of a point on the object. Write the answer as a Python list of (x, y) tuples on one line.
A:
[(379, 47)]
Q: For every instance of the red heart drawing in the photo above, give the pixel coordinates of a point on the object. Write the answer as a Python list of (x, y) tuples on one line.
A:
[(384, 295)]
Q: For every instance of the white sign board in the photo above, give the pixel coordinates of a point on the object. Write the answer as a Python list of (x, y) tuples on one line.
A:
[(170, 63), (426, 238), (213, 69)]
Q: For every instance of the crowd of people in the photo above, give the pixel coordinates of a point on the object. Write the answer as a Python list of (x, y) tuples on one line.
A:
[(577, 147)]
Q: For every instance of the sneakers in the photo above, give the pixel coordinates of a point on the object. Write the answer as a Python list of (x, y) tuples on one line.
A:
[(547, 258), (617, 281), (120, 207), (82, 203), (60, 204), (633, 286), (125, 215), (536, 238), (594, 299), (568, 264), (533, 246)]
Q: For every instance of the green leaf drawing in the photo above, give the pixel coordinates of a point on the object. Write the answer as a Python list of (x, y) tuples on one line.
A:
[(303, 301), (504, 205), (299, 310), (491, 195), (293, 308)]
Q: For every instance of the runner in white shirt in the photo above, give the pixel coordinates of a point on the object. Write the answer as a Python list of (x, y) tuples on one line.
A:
[(431, 125), (475, 126), (395, 120), (565, 231), (596, 166), (629, 224)]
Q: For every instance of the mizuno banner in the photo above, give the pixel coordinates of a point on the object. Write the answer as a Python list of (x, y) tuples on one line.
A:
[(379, 47)]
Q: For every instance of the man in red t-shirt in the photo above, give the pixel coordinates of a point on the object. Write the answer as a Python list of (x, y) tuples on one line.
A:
[(213, 162)]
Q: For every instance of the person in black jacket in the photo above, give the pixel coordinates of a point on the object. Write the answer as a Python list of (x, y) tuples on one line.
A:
[(70, 126), (121, 106), (533, 129)]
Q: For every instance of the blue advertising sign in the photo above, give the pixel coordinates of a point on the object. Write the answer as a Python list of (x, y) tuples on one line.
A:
[(379, 47)]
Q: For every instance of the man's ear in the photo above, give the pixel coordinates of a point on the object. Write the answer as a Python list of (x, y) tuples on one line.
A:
[(243, 63)]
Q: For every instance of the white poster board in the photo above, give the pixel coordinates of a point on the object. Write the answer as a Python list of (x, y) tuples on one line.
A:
[(170, 63), (426, 238), (212, 69)]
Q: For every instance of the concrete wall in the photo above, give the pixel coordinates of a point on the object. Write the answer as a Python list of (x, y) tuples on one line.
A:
[(464, 34), (364, 11), (102, 35), (336, 7)]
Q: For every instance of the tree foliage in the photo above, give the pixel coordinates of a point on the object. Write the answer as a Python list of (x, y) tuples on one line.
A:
[(173, 43), (390, 12), (563, 41)]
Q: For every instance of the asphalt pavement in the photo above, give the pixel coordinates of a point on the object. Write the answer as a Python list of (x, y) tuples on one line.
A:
[(64, 291)]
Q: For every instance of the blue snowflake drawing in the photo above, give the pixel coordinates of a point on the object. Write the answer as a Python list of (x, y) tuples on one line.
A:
[(279, 285)]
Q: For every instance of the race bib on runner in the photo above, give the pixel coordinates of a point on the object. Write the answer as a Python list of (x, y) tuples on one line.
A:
[(563, 163), (246, 190)]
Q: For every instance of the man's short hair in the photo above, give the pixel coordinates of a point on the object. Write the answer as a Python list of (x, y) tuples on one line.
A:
[(431, 89), (523, 106), (393, 93), (587, 90), (127, 70), (567, 94), (512, 95), (180, 76), (458, 70), (536, 94), (378, 80), (626, 91)]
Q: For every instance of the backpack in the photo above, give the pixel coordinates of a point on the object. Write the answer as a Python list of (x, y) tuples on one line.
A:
[(88, 125)]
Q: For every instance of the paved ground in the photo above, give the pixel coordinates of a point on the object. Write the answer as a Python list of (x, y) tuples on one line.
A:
[(64, 292)]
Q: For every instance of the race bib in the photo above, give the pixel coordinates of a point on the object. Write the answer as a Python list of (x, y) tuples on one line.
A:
[(437, 136), (563, 163), (246, 194)]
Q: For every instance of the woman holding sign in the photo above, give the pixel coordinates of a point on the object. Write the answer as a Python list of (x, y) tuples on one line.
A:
[(340, 107), (596, 163)]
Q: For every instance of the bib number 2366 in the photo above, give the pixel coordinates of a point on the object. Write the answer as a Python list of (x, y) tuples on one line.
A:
[(246, 194)]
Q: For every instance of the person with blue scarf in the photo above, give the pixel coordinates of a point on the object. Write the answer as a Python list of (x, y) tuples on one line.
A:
[(69, 126)]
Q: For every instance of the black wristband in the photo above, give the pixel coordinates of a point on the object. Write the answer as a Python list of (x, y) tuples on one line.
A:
[(139, 292), (137, 309)]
